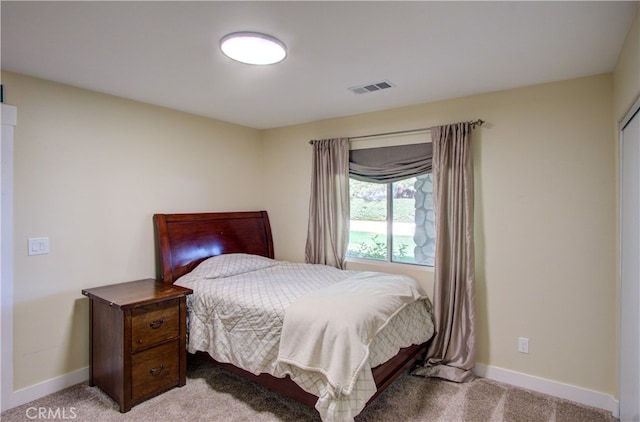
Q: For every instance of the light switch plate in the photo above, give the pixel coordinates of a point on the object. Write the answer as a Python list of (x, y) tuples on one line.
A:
[(38, 245)]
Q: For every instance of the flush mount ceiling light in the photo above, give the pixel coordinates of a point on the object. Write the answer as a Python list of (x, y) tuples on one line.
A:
[(253, 48)]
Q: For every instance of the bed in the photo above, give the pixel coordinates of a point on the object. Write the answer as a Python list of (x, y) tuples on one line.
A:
[(214, 253)]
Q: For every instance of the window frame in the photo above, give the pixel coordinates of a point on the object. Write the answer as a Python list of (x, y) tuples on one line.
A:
[(389, 233), (389, 222)]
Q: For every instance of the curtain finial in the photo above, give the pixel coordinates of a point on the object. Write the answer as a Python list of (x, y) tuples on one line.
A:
[(476, 123)]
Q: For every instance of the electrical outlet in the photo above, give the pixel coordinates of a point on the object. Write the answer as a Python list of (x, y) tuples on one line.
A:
[(523, 345)]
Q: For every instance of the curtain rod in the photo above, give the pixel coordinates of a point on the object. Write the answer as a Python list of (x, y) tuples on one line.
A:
[(474, 124)]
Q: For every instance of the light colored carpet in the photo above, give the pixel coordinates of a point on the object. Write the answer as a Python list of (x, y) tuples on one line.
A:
[(213, 394)]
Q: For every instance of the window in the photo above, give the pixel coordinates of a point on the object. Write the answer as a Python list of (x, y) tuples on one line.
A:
[(393, 221)]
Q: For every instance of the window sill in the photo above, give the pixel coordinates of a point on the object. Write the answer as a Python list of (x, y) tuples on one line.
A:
[(361, 262)]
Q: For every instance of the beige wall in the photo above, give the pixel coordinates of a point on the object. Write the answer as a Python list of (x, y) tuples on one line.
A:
[(90, 171), (545, 213)]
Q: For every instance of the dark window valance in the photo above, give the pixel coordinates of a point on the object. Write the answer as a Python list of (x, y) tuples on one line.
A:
[(390, 164)]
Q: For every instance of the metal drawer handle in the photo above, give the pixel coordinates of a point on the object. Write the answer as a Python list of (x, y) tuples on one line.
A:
[(156, 371), (156, 324)]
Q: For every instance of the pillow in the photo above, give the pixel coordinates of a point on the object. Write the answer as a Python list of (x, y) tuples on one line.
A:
[(227, 265)]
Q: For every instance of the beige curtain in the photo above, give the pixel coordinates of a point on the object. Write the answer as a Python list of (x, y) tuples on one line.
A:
[(328, 231), (452, 351)]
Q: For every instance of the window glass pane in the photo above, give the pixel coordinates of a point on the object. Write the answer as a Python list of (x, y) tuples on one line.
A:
[(425, 230), (413, 239), (368, 226), (404, 225)]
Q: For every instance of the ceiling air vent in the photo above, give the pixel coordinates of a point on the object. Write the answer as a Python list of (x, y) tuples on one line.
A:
[(365, 89)]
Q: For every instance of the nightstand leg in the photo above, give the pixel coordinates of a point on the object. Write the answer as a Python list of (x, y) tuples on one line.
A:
[(91, 383)]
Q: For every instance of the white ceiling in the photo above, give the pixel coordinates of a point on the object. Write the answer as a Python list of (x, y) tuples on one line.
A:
[(166, 53)]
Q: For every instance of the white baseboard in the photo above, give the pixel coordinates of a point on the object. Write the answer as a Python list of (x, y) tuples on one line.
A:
[(553, 388), (541, 385), (33, 392)]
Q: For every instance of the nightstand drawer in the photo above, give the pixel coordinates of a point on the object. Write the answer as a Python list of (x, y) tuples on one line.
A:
[(154, 370), (154, 324)]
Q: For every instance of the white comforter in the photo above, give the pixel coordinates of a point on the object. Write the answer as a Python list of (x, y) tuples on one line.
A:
[(238, 310)]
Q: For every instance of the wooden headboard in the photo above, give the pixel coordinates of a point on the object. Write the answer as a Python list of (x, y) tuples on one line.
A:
[(185, 240)]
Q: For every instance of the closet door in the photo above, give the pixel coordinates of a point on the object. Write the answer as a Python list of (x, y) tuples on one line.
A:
[(9, 118), (630, 267)]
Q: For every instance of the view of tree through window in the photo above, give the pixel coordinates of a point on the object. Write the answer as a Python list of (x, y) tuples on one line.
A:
[(393, 221)]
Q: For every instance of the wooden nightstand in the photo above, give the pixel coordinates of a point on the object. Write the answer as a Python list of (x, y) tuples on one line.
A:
[(138, 339)]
